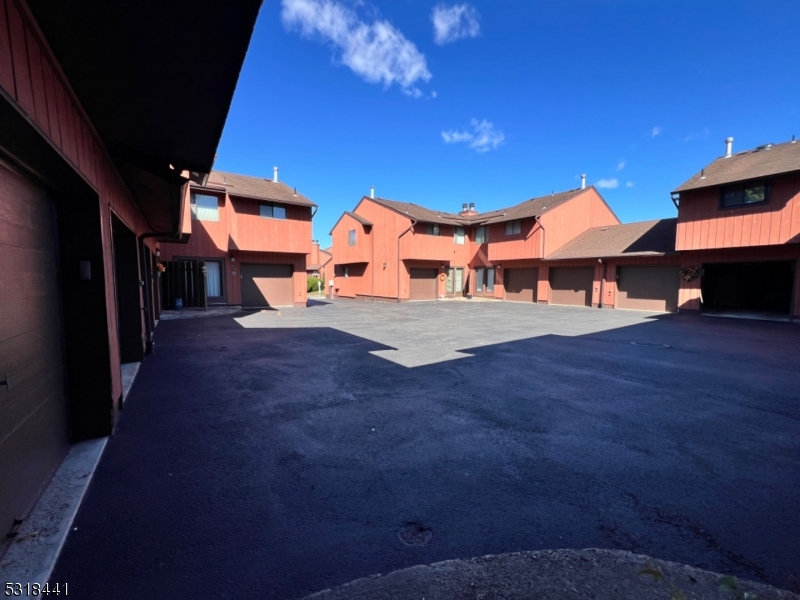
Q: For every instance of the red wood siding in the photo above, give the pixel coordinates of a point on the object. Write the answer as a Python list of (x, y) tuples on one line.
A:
[(418, 245), (361, 252), (249, 231), (567, 221), (526, 244), (31, 76), (703, 225)]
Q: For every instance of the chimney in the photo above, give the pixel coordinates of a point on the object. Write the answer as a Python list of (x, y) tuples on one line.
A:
[(728, 147), (275, 174), (583, 181), (464, 206), (472, 206), (372, 191)]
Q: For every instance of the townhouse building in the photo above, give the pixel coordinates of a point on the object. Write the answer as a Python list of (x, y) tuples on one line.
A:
[(253, 236), (99, 141), (733, 247)]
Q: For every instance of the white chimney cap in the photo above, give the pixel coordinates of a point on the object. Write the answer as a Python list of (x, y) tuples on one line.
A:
[(372, 191), (275, 174), (728, 147)]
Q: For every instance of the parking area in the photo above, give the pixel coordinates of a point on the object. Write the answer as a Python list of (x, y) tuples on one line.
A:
[(275, 454)]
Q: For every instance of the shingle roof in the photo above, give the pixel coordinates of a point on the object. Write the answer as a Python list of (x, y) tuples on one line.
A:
[(256, 187), (532, 208), (529, 208), (352, 215), (646, 238), (770, 159)]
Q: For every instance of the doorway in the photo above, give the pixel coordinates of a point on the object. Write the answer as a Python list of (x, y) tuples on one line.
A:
[(455, 282), (127, 291), (748, 287)]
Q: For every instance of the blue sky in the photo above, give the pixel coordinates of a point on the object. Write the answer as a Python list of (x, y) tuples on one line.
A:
[(497, 102)]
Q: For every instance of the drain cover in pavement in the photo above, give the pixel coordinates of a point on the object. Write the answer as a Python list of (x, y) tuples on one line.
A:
[(415, 534), (651, 345)]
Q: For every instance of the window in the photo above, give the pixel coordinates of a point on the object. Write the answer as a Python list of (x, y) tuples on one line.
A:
[(347, 271), (432, 229), (459, 235), (481, 235), (272, 211), (351, 239), (513, 227), (205, 207), (756, 192)]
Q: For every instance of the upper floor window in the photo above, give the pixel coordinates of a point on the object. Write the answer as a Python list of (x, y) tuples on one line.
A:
[(755, 192), (481, 235), (432, 228), (513, 227), (272, 211), (205, 207), (459, 236), (351, 237)]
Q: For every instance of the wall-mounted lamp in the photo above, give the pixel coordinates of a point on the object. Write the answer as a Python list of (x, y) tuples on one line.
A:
[(384, 265), (233, 259), (158, 252)]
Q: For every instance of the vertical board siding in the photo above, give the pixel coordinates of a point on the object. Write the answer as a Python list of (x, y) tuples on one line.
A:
[(702, 224), (31, 76), (567, 221)]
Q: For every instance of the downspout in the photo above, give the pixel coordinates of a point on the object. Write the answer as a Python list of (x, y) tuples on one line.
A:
[(372, 260), (602, 283), (410, 227), (538, 220)]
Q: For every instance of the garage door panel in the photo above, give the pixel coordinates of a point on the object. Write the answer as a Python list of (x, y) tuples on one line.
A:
[(571, 286), (267, 285), (33, 429), (648, 288), (423, 284), (521, 284)]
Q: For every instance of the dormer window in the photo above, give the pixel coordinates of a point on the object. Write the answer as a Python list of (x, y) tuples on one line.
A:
[(432, 229), (744, 194), (269, 210)]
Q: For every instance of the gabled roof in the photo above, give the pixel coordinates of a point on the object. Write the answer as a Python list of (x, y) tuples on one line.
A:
[(353, 216), (532, 208), (645, 238), (255, 187), (527, 209), (419, 213), (770, 159)]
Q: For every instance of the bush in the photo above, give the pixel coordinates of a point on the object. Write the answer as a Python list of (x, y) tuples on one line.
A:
[(312, 284)]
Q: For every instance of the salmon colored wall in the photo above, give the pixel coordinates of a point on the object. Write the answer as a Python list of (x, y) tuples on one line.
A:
[(567, 221), (418, 245), (209, 239), (526, 244), (31, 77), (703, 225), (251, 232)]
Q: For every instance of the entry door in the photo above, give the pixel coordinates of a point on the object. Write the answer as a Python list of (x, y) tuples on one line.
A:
[(214, 288), (33, 409), (455, 282)]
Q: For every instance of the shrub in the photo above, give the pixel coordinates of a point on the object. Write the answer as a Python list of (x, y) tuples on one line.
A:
[(312, 284)]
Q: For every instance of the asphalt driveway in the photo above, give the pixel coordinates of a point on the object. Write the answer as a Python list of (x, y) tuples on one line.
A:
[(278, 454)]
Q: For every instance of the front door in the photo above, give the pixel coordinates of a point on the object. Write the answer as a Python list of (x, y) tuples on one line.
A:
[(455, 282)]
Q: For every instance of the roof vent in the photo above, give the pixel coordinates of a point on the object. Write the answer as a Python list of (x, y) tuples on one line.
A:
[(464, 206), (472, 206), (728, 147), (702, 173), (295, 191), (275, 174), (583, 181), (793, 140), (372, 191), (764, 147)]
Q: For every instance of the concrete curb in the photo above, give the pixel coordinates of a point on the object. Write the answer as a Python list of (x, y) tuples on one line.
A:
[(589, 574)]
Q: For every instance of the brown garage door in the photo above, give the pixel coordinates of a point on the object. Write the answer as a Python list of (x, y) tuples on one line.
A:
[(33, 427), (521, 284), (423, 284), (267, 286), (571, 285), (648, 288)]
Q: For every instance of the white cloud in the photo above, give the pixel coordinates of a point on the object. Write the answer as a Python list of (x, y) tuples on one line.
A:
[(454, 23), (608, 183), (620, 165), (482, 138), (629, 184), (376, 51), (655, 131)]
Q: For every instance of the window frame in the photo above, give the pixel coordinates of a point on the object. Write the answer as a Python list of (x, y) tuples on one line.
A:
[(484, 239), (742, 187), (433, 229), (463, 236), (514, 224), (272, 206), (193, 206), (352, 238)]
